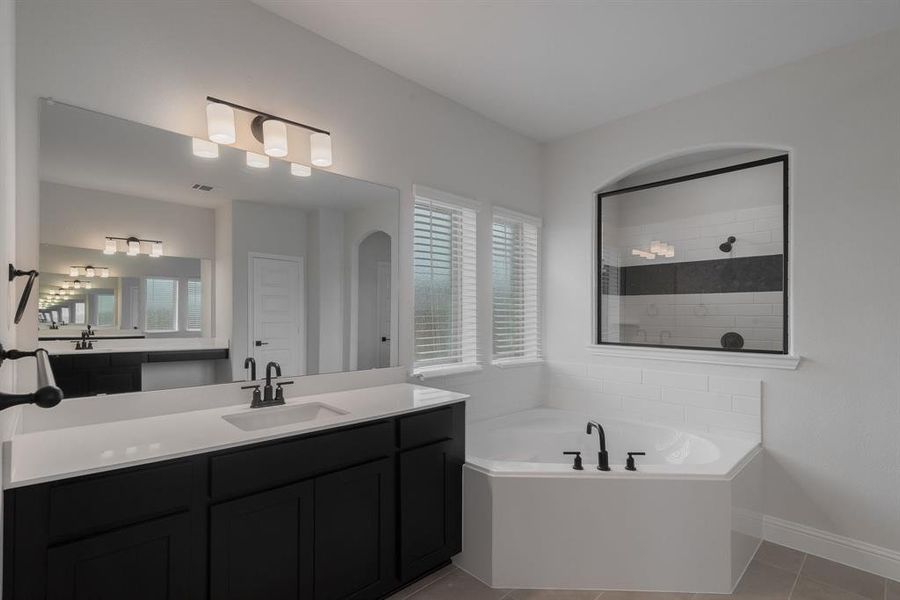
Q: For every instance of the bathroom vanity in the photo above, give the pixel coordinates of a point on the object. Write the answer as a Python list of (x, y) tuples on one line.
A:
[(353, 503)]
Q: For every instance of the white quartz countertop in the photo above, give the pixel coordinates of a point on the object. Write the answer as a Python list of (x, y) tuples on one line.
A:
[(50, 455), (108, 346)]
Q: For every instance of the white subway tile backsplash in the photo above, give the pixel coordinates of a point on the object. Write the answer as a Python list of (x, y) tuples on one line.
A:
[(696, 398), (633, 390), (731, 385), (672, 379), (652, 410), (746, 404), (624, 374), (696, 416), (575, 369)]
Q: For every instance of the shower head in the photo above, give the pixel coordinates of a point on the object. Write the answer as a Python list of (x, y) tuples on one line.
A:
[(727, 246)]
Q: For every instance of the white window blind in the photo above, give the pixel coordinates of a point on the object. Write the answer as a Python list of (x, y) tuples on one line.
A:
[(105, 305), (445, 290), (516, 287), (79, 313), (161, 306), (194, 305)]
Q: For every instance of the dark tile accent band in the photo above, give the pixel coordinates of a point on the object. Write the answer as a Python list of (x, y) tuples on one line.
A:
[(726, 275)]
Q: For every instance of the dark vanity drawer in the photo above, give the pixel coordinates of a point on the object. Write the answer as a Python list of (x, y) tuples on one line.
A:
[(122, 359), (424, 428), (248, 470), (183, 355), (87, 361), (98, 503)]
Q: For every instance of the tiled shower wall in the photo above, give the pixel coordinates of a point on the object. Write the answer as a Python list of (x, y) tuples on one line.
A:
[(702, 319), (715, 404)]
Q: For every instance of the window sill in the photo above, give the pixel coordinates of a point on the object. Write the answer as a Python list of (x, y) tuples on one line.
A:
[(734, 359), (445, 370), (512, 364)]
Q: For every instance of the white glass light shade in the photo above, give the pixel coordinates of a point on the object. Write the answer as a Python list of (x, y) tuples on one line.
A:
[(89, 271), (275, 140), (87, 286), (104, 272), (156, 249), (299, 170), (204, 148), (220, 123), (65, 285), (73, 271), (76, 284), (110, 246), (320, 149), (257, 161), (134, 248)]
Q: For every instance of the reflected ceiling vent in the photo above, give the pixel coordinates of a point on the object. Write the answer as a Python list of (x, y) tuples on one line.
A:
[(202, 187)]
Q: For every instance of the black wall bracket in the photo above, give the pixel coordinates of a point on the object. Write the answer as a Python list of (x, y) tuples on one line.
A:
[(26, 293)]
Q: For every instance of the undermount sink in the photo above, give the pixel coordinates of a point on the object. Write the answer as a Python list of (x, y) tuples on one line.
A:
[(276, 416)]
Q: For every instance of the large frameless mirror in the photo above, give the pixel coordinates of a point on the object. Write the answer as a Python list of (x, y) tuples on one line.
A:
[(171, 268)]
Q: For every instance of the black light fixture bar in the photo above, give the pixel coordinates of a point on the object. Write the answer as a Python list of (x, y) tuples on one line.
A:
[(266, 115), (131, 239)]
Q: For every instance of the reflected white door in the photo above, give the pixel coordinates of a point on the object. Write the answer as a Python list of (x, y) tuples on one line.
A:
[(383, 298), (276, 313)]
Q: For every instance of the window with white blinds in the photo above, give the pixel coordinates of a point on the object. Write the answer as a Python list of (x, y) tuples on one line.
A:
[(161, 306), (194, 305), (446, 336), (516, 241)]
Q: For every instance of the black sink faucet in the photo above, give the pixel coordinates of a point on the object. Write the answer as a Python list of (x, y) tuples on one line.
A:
[(250, 363), (602, 456), (267, 390)]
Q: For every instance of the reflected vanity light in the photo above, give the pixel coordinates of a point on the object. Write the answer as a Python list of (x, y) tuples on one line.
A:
[(134, 247), (73, 271), (299, 170), (156, 249), (220, 123), (257, 161), (320, 149), (204, 148), (110, 246), (275, 142), (642, 254), (89, 271), (104, 272), (65, 285)]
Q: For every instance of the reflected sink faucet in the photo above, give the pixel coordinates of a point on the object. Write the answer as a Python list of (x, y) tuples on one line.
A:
[(603, 455), (250, 363)]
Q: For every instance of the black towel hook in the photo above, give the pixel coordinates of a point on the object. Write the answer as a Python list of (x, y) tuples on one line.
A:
[(26, 293)]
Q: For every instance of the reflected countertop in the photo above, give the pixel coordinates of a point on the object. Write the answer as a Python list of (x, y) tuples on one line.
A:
[(55, 454), (104, 346)]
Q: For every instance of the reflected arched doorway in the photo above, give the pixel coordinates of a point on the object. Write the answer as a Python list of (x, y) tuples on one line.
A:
[(373, 306)]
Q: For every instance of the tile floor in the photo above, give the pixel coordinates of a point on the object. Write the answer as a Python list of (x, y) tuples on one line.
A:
[(776, 573)]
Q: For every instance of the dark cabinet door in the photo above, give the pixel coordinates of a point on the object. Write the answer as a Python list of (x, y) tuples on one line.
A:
[(261, 546), (114, 380), (150, 561), (355, 533), (430, 507)]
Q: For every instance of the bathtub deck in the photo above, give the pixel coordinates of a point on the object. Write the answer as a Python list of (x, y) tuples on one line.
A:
[(776, 573)]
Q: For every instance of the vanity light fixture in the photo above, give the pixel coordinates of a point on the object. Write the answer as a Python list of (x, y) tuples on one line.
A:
[(74, 271), (299, 170), (104, 272), (88, 270), (643, 254), (257, 161), (204, 148), (65, 285), (270, 130), (132, 248), (220, 122)]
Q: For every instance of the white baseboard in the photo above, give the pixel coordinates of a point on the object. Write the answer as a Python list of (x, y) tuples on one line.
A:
[(841, 549)]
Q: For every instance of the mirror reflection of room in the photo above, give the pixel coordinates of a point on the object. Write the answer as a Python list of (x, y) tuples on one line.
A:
[(192, 264)]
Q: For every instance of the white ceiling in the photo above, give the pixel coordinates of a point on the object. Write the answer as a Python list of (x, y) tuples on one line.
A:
[(550, 69)]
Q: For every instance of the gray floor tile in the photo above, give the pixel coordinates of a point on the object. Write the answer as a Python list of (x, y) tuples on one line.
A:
[(456, 585), (553, 595), (760, 582), (844, 577), (893, 590), (645, 596), (809, 589), (424, 582), (779, 556)]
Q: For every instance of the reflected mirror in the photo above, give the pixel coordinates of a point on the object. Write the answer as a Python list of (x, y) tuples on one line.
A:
[(692, 254), (170, 269)]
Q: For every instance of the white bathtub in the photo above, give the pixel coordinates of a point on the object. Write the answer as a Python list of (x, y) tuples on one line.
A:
[(689, 520), (533, 441)]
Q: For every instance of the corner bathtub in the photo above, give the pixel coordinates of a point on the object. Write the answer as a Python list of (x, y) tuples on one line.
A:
[(688, 520)]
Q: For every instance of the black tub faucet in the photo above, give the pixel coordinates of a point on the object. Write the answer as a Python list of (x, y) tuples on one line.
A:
[(603, 455)]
